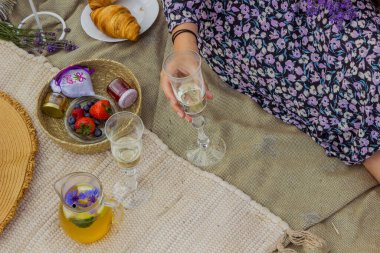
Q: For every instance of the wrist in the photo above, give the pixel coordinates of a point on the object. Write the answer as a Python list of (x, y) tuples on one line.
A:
[(186, 40)]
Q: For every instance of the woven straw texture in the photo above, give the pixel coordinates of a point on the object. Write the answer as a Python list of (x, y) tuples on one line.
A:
[(274, 163), (18, 147), (190, 210), (105, 72)]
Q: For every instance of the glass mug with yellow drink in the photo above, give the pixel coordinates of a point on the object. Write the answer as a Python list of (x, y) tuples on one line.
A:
[(85, 214)]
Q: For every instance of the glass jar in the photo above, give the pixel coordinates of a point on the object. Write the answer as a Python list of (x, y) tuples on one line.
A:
[(121, 92), (55, 105)]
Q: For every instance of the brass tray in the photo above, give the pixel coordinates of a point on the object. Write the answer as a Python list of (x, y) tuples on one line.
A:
[(105, 72)]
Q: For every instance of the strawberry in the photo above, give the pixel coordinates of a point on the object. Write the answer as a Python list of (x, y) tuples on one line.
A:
[(77, 113), (84, 126), (101, 110)]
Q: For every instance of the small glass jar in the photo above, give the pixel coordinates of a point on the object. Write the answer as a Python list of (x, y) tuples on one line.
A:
[(121, 92), (55, 105)]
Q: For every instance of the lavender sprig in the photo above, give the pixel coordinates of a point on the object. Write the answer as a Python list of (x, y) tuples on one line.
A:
[(33, 40), (339, 10)]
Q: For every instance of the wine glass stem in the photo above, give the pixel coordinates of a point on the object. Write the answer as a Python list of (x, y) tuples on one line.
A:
[(198, 123), (131, 179)]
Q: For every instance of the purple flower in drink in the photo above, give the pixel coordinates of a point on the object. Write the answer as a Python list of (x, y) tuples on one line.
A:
[(72, 198), (92, 196)]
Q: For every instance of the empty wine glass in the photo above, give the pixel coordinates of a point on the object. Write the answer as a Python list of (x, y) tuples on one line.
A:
[(124, 130), (183, 69)]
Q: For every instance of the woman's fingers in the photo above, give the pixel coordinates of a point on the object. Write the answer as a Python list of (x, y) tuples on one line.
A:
[(209, 94), (167, 89)]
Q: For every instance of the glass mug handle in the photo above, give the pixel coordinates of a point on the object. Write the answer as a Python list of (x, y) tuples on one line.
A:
[(117, 210)]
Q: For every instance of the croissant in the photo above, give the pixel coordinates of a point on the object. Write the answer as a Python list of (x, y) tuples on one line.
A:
[(116, 21), (94, 4)]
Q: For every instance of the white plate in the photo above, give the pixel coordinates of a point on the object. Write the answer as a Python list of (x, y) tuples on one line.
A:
[(145, 12)]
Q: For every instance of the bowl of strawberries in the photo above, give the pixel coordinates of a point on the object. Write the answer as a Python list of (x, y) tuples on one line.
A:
[(86, 116)]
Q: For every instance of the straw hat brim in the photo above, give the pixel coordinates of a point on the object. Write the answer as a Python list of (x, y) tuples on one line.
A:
[(18, 147)]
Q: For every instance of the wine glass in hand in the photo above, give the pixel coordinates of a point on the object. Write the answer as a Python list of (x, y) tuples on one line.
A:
[(183, 69)]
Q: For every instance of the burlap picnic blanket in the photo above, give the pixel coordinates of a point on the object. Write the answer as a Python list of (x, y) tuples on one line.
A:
[(274, 163), (190, 210)]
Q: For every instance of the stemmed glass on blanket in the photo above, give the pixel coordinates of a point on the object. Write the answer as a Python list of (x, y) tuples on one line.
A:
[(183, 69), (124, 130)]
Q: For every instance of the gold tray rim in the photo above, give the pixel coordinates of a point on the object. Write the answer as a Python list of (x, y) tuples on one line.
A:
[(83, 148), (31, 161)]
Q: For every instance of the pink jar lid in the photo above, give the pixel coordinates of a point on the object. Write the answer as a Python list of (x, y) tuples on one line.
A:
[(128, 98)]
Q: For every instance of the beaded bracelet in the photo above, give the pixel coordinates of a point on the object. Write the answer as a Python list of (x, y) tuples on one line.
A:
[(174, 36)]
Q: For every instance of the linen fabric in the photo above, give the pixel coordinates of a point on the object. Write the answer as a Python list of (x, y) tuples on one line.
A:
[(274, 163), (190, 210)]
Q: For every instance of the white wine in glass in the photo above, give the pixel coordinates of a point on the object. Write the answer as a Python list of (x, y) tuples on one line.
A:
[(124, 130), (127, 151), (191, 98)]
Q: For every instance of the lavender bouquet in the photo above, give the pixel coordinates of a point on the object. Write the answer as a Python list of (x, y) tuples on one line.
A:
[(33, 40), (339, 11)]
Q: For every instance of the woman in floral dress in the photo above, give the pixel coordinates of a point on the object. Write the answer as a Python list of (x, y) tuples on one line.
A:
[(314, 64)]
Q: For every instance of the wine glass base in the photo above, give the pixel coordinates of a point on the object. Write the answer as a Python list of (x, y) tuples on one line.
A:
[(131, 198), (209, 156)]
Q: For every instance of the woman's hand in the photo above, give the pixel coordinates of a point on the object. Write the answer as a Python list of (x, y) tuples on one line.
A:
[(184, 41)]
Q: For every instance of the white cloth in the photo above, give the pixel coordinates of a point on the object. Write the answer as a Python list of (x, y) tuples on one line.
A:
[(190, 211)]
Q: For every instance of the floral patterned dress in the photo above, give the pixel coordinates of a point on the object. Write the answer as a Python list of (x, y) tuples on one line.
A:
[(308, 70)]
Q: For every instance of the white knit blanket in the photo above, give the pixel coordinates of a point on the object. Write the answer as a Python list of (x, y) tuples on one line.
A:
[(190, 211)]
